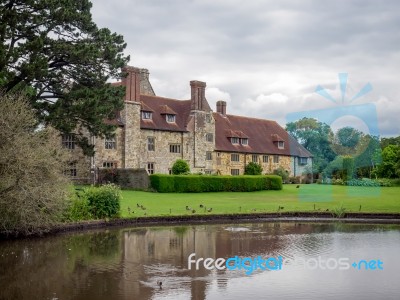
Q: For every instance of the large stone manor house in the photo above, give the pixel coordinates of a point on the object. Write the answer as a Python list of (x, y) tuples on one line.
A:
[(153, 132)]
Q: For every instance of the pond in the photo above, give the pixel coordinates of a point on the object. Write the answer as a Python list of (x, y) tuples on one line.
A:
[(301, 261)]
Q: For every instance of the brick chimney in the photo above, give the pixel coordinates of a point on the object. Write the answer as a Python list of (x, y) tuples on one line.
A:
[(221, 107), (132, 83), (198, 96)]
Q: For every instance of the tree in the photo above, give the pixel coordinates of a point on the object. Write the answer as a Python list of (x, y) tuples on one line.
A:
[(253, 168), (54, 52), (180, 167), (315, 137), (346, 141), (367, 161), (348, 167), (33, 190), (390, 141), (390, 166)]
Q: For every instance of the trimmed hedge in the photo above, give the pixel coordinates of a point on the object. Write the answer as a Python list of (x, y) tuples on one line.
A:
[(198, 183)]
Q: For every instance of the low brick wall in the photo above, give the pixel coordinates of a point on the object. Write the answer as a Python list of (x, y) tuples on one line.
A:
[(126, 178)]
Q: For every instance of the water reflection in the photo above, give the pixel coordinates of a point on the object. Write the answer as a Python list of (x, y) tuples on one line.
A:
[(127, 263)]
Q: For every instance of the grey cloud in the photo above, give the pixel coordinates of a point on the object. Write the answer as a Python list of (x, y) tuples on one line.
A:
[(252, 48)]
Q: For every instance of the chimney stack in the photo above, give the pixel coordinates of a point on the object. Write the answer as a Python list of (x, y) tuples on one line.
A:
[(221, 107), (198, 96), (131, 83)]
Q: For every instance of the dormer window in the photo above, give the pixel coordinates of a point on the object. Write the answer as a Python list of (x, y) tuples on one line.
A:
[(147, 115), (244, 141), (170, 118), (281, 145), (234, 140)]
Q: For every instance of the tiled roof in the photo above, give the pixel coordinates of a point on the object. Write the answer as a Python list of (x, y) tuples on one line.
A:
[(261, 134), (144, 107), (166, 110), (161, 106)]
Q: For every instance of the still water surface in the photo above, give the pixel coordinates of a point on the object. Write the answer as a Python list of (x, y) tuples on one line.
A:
[(127, 263)]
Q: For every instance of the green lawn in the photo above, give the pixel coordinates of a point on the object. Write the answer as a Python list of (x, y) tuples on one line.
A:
[(323, 197)]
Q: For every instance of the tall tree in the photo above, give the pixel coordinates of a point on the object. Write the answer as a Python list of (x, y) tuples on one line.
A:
[(52, 50), (315, 136)]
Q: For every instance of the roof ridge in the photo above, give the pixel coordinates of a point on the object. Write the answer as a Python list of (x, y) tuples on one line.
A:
[(166, 98), (245, 117)]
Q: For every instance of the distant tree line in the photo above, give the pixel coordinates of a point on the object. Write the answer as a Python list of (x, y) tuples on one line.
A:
[(371, 156)]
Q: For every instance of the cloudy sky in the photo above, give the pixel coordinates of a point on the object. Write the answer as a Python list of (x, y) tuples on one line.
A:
[(266, 58)]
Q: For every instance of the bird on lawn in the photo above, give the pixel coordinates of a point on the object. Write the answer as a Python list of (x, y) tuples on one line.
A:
[(193, 211), (298, 186), (210, 209), (201, 205), (188, 208), (137, 204)]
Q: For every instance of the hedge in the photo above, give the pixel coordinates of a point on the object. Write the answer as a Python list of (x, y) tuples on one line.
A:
[(200, 183)]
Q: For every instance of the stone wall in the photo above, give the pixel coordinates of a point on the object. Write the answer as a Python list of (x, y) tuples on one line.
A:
[(223, 164), (126, 178), (201, 123), (131, 118), (161, 157), (110, 155)]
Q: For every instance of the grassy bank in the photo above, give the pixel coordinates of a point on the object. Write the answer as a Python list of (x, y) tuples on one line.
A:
[(291, 199)]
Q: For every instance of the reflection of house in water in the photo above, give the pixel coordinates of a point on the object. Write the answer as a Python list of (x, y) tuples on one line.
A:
[(158, 253), (151, 254)]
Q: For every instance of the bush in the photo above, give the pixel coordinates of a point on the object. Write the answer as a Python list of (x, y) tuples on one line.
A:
[(180, 167), (363, 182), (294, 179), (385, 182), (253, 168), (33, 191), (103, 201), (395, 182), (198, 184), (78, 208), (338, 181), (282, 172)]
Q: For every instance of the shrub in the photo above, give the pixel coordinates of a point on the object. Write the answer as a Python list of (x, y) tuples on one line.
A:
[(33, 191), (162, 183), (338, 181), (294, 179), (395, 182), (104, 201), (78, 208), (253, 168), (282, 172), (197, 184), (363, 182), (385, 182), (180, 167)]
